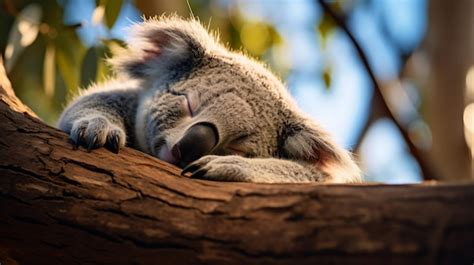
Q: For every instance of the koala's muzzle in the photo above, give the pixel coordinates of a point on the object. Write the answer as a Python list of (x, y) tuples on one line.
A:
[(198, 141)]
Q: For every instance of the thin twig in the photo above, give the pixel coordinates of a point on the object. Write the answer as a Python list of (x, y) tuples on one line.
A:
[(378, 98)]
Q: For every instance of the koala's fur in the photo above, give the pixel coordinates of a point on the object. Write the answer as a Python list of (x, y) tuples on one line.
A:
[(173, 76)]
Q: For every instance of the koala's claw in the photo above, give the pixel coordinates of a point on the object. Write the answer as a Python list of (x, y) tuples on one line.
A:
[(199, 173), (91, 143), (77, 134), (196, 174), (97, 132), (198, 168), (196, 171), (224, 168), (190, 169), (76, 143), (113, 143)]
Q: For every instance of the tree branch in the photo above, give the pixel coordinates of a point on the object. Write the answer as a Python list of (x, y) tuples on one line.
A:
[(65, 206), (378, 100)]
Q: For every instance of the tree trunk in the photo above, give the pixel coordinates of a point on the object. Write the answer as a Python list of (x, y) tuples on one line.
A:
[(450, 49), (65, 206)]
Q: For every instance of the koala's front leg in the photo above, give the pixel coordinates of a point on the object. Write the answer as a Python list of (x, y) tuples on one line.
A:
[(258, 170), (102, 118)]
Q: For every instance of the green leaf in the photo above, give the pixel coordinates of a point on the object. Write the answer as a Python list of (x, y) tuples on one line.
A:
[(326, 26), (68, 73), (49, 70), (114, 46), (112, 11), (89, 67), (23, 33), (103, 70), (109, 48), (327, 77), (256, 37), (69, 55)]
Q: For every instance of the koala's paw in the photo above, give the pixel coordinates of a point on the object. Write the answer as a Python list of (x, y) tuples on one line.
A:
[(95, 132), (223, 168)]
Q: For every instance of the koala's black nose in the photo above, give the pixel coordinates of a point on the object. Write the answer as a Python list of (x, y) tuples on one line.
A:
[(198, 141)]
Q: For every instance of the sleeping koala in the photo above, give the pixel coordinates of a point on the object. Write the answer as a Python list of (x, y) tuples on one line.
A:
[(181, 96)]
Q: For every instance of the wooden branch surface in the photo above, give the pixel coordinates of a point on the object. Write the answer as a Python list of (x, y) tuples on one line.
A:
[(65, 206)]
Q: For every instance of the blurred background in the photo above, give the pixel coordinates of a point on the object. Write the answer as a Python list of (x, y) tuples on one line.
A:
[(416, 124)]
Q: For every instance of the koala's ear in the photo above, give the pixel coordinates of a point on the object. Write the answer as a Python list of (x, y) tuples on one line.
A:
[(163, 48), (304, 141)]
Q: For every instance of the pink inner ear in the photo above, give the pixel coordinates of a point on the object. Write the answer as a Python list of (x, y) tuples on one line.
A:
[(322, 155), (158, 40), (151, 53), (316, 155)]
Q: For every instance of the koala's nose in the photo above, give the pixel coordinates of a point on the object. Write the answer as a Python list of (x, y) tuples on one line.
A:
[(198, 141)]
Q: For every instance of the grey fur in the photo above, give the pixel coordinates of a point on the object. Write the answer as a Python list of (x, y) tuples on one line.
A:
[(174, 75)]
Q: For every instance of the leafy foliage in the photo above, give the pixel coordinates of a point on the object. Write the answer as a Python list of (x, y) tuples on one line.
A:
[(52, 67), (112, 10)]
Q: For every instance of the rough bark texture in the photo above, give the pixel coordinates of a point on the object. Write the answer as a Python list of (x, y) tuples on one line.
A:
[(64, 206)]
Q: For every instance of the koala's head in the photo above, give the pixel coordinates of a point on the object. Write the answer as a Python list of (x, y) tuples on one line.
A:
[(204, 99)]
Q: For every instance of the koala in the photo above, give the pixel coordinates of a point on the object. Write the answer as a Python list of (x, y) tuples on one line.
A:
[(179, 95)]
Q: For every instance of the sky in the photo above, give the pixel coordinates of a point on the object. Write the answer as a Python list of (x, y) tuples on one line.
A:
[(342, 109)]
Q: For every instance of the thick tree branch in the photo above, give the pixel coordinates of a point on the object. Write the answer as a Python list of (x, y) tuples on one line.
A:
[(61, 206)]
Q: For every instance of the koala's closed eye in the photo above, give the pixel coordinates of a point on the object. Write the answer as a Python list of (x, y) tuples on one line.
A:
[(192, 101)]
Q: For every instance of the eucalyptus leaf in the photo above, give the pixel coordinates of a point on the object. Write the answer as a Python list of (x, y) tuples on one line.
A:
[(112, 11), (103, 69), (89, 67), (23, 33), (114, 46), (49, 70), (326, 26), (327, 77), (69, 56)]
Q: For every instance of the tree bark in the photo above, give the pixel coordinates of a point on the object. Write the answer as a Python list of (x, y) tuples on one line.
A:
[(65, 206)]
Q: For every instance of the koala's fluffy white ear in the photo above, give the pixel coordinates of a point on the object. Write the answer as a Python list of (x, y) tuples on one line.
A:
[(300, 141), (163, 48), (305, 141)]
